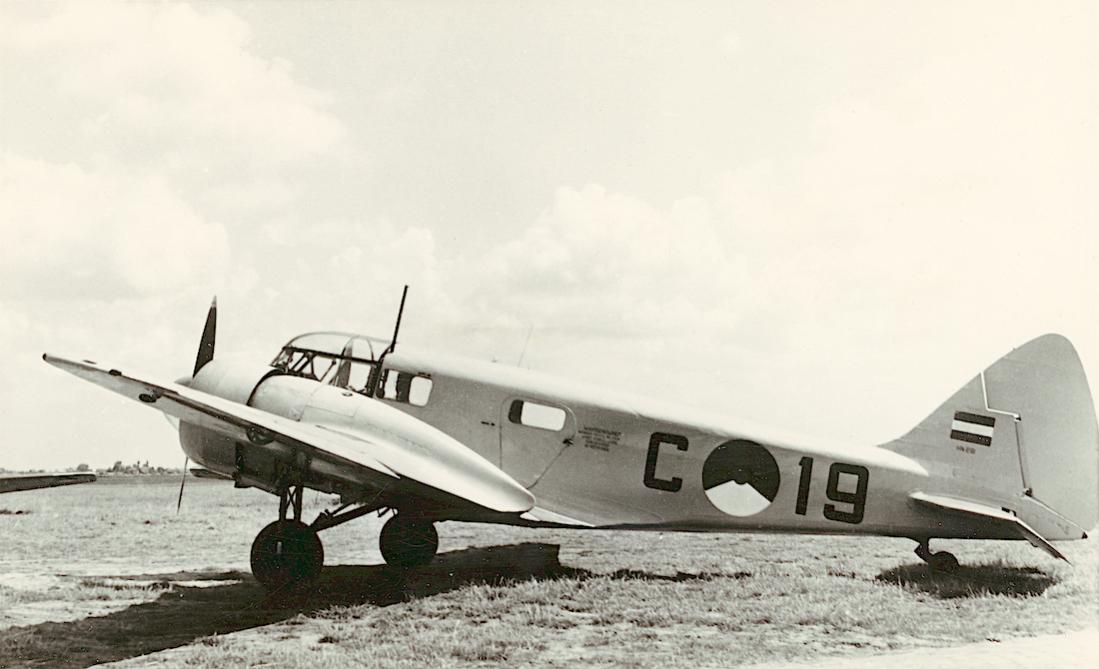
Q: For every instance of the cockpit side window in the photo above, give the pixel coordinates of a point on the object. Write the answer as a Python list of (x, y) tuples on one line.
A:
[(323, 368), (336, 361), (307, 364), (282, 360), (360, 374), (406, 387)]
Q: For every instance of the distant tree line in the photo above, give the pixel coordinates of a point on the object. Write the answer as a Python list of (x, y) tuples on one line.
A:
[(136, 469)]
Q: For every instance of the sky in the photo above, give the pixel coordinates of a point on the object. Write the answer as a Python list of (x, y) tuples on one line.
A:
[(826, 217)]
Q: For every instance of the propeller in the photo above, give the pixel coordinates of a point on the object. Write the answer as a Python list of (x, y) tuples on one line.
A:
[(209, 333), (182, 482), (205, 355)]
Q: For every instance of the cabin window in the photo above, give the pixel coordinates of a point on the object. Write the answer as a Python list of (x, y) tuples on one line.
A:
[(406, 387), (532, 414)]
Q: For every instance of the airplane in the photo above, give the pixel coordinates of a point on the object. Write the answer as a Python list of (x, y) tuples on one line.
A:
[(427, 438), (17, 482)]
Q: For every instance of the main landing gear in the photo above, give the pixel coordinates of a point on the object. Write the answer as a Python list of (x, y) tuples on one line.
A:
[(941, 562), (408, 540), (289, 553)]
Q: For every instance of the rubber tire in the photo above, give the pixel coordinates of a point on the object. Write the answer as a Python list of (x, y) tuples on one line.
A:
[(943, 562), (408, 541), (286, 553)]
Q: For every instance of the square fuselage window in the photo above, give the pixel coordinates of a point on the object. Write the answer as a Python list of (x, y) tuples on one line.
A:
[(533, 414)]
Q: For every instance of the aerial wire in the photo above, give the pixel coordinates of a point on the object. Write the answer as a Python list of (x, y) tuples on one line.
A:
[(525, 343)]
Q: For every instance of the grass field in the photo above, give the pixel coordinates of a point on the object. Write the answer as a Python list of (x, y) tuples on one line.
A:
[(108, 572)]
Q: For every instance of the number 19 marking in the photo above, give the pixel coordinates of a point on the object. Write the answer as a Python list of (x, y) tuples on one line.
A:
[(856, 499)]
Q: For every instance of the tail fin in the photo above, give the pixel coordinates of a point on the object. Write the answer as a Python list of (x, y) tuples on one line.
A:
[(1021, 435)]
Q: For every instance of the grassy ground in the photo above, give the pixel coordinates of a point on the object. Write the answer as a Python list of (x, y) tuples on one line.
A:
[(108, 572)]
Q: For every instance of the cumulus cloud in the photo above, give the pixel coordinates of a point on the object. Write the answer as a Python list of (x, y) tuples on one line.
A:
[(333, 274), (879, 229), (610, 264), (174, 82), (77, 234)]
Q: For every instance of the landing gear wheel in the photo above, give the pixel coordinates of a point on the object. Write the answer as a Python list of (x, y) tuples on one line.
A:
[(943, 561), (408, 541), (286, 553)]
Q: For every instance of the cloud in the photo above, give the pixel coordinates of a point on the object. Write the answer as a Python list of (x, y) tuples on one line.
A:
[(77, 234), (174, 83), (896, 213), (612, 265), (333, 274)]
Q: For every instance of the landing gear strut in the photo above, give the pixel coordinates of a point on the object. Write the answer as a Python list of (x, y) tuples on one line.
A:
[(287, 552), (942, 561), (408, 540)]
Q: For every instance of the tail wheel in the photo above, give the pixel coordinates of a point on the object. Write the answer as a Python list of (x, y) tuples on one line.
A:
[(286, 553), (942, 561), (408, 541)]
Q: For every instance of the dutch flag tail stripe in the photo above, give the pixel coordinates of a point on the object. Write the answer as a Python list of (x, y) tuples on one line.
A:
[(972, 428)]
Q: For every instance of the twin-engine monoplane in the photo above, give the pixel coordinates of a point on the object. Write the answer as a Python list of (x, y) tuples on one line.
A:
[(1014, 454)]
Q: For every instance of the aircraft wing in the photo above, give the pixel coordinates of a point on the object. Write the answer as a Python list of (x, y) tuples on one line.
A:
[(987, 514), (401, 463), (17, 482)]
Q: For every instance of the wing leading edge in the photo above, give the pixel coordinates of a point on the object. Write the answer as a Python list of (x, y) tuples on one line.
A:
[(398, 462)]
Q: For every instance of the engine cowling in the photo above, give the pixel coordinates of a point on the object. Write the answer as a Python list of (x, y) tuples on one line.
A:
[(233, 381)]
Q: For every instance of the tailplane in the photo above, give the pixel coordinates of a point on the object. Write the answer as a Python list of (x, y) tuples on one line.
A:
[(1021, 436)]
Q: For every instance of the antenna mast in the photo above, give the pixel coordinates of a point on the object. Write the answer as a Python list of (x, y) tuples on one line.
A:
[(397, 327), (375, 379)]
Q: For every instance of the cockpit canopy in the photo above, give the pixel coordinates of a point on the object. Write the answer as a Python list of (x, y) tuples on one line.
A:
[(351, 361)]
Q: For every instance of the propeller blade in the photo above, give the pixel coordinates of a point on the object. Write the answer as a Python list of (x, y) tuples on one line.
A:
[(205, 355), (209, 333), (182, 482)]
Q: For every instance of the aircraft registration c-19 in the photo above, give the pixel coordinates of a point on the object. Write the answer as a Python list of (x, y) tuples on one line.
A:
[(1014, 454)]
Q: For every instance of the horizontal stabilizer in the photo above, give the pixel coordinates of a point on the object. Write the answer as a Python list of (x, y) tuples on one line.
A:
[(988, 514)]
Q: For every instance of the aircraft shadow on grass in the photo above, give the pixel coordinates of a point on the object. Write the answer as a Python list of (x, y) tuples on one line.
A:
[(970, 581), (182, 614)]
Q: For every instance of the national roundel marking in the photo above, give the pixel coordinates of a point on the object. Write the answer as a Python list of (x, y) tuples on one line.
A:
[(740, 478)]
